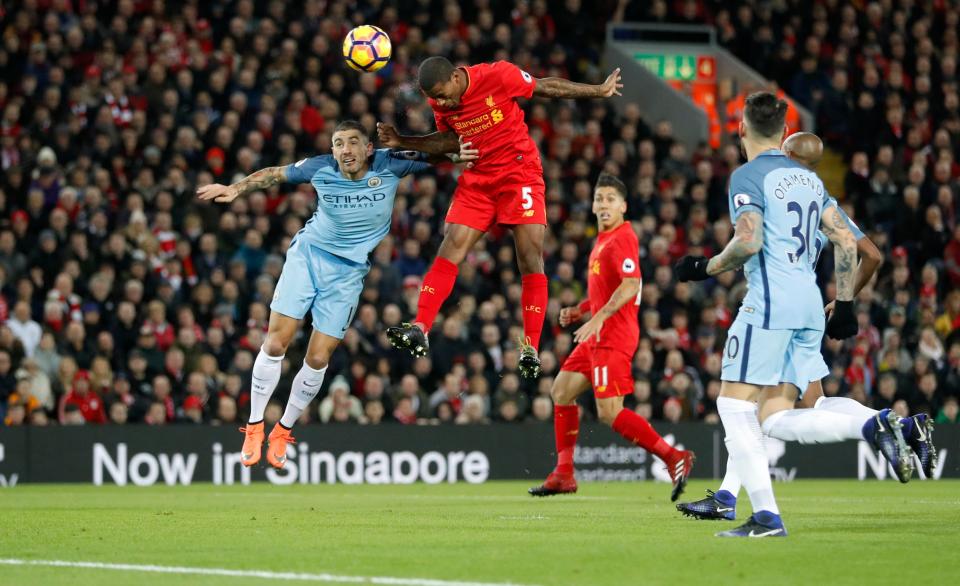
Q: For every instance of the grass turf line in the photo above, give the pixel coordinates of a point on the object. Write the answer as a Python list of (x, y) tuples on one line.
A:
[(841, 532)]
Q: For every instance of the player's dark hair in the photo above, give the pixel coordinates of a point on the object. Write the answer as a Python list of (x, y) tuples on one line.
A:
[(765, 113), (352, 125), (608, 180), (434, 70)]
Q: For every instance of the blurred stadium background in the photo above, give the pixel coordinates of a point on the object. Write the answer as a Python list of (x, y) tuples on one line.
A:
[(131, 312), (125, 301)]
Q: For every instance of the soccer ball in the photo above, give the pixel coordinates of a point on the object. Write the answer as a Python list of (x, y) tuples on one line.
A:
[(366, 48)]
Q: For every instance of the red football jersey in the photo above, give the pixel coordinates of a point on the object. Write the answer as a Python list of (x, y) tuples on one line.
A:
[(489, 116), (615, 256)]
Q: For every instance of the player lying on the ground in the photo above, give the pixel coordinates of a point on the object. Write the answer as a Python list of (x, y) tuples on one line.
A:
[(918, 431), (776, 205), (606, 345), (505, 186), (325, 266)]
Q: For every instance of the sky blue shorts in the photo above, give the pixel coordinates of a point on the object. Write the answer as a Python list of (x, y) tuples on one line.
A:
[(327, 285), (769, 357)]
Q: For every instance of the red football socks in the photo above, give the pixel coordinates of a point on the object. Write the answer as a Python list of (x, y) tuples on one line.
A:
[(437, 285), (639, 431), (566, 426), (533, 297)]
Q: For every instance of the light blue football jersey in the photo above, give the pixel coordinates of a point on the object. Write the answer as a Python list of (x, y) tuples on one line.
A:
[(352, 217), (782, 290), (822, 238)]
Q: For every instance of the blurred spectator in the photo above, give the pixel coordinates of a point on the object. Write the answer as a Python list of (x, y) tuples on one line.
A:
[(84, 398), (339, 406), (949, 413)]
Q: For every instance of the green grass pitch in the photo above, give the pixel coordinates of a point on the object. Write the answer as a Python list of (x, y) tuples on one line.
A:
[(841, 532)]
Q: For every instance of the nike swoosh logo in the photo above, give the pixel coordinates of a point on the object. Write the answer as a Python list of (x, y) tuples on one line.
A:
[(311, 386), (724, 509), (765, 533)]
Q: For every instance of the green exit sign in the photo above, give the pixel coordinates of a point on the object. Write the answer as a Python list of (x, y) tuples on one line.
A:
[(669, 67)]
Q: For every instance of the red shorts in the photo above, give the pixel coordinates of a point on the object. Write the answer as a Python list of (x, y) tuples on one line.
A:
[(607, 369), (515, 196)]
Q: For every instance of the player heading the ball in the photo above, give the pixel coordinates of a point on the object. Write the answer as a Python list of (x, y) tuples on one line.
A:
[(478, 103)]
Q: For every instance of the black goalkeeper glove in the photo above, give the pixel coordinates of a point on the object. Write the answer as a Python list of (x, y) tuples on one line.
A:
[(691, 268), (843, 322)]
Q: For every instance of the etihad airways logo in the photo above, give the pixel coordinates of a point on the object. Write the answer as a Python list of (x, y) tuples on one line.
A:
[(354, 200)]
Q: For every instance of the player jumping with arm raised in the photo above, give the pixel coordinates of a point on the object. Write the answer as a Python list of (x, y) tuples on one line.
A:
[(807, 148), (505, 186), (325, 266), (606, 344), (777, 205)]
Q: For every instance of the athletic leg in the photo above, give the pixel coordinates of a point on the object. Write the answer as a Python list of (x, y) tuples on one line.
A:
[(807, 426), (268, 364), (571, 382), (295, 292), (306, 384), (566, 425), (333, 309), (458, 240), (528, 239)]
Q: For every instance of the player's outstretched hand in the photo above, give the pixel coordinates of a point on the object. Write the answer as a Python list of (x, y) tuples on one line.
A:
[(467, 153), (591, 328), (569, 315), (612, 85), (388, 135), (843, 323), (217, 192), (691, 268)]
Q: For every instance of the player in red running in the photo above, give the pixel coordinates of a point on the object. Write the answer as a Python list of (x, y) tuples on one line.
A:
[(606, 345), (477, 104)]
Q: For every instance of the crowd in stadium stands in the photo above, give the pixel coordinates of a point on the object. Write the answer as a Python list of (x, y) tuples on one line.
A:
[(125, 299)]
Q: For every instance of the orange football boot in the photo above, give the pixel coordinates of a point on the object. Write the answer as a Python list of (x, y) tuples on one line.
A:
[(252, 444), (277, 445)]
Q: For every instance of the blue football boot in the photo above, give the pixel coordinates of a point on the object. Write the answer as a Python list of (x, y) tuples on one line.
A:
[(920, 440), (761, 524), (720, 506), (884, 432)]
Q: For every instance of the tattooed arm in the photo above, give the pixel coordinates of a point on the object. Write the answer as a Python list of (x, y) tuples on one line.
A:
[(257, 181), (845, 252), (747, 241), (557, 87)]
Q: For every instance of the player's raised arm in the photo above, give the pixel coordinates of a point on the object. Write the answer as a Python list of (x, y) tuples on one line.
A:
[(438, 143), (557, 87), (256, 181)]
